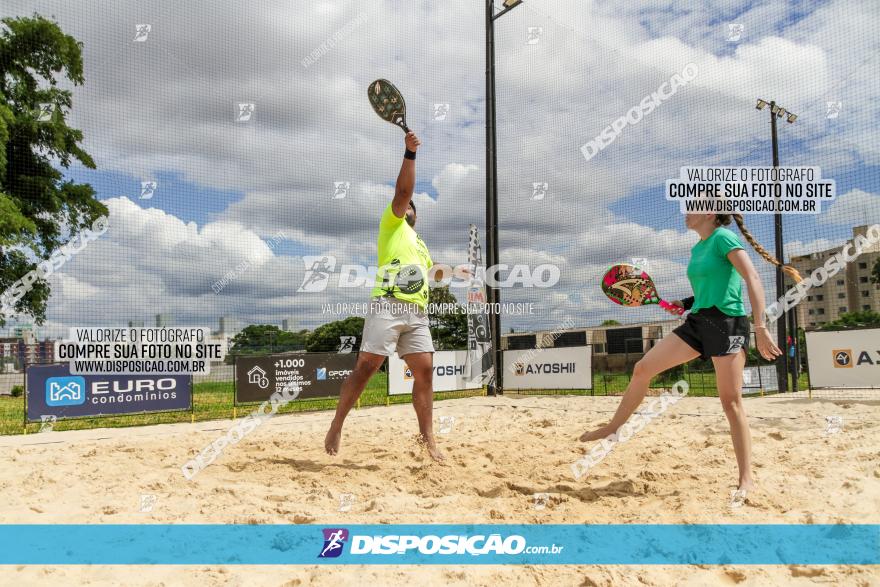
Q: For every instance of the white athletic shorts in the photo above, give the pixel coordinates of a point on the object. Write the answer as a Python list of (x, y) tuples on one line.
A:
[(392, 325)]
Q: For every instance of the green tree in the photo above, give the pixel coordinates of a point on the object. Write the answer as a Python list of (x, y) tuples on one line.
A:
[(39, 211), (875, 272), (265, 339), (326, 338), (448, 329), (610, 323), (853, 320), (294, 341)]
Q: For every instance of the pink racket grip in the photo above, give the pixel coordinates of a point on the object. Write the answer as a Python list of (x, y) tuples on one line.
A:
[(667, 306)]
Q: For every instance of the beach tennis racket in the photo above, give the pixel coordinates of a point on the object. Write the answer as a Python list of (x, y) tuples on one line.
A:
[(629, 286), (388, 103)]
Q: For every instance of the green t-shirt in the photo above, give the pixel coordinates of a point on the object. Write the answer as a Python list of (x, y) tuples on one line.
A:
[(714, 279), (403, 261)]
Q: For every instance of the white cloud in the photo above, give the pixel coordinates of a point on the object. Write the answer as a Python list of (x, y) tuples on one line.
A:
[(853, 208)]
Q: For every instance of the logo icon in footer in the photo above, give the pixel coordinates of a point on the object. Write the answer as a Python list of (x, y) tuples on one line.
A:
[(334, 541)]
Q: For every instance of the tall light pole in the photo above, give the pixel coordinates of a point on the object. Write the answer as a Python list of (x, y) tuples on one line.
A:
[(782, 367), (493, 296)]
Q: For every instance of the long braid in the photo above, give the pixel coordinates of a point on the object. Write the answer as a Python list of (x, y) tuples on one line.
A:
[(787, 269)]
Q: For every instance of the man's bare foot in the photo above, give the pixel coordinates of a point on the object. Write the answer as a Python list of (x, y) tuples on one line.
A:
[(331, 441), (746, 485), (429, 443), (597, 434)]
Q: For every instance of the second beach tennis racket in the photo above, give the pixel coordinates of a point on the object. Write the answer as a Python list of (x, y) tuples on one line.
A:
[(629, 286), (388, 103)]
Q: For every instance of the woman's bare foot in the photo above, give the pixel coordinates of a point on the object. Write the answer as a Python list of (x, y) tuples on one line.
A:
[(597, 434), (738, 496), (332, 440)]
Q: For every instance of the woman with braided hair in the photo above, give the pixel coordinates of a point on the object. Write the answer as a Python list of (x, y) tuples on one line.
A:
[(716, 328)]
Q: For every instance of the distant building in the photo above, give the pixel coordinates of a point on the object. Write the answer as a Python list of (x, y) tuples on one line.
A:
[(26, 333), (135, 323), (8, 348), (163, 320), (228, 330), (224, 339), (850, 290), (228, 325), (26, 352), (288, 324)]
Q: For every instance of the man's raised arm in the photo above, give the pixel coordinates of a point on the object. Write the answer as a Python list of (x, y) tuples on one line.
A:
[(406, 180)]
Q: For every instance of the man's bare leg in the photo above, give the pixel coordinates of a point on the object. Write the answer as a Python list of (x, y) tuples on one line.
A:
[(422, 366), (352, 388)]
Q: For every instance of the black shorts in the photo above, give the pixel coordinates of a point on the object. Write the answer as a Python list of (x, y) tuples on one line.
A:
[(712, 333)]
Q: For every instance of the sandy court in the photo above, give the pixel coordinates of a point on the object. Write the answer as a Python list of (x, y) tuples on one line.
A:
[(501, 452)]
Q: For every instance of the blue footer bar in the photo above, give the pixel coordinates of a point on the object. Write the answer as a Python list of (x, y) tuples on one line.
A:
[(644, 544)]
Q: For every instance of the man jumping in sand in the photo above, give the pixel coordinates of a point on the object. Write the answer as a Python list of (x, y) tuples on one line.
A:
[(397, 318)]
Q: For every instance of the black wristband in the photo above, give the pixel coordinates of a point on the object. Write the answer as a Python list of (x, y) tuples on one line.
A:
[(409, 154), (687, 303)]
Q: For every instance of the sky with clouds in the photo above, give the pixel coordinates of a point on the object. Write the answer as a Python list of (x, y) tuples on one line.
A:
[(166, 110)]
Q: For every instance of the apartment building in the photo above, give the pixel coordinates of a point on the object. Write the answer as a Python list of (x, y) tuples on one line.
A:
[(850, 290)]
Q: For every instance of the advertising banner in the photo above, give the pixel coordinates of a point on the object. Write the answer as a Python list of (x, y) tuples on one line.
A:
[(318, 374), (450, 373), (478, 362), (52, 391), (550, 368), (844, 358)]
